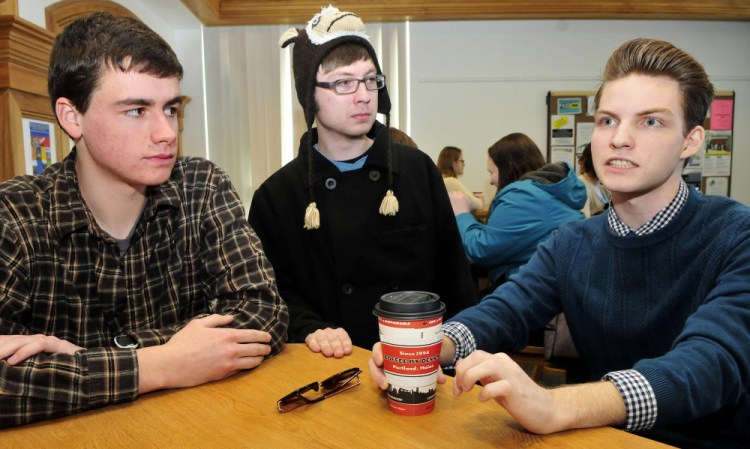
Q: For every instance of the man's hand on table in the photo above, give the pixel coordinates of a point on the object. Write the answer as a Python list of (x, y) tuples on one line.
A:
[(330, 342), (538, 409), (203, 351)]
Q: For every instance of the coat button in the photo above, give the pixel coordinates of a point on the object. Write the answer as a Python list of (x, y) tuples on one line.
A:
[(374, 175), (330, 183), (347, 289)]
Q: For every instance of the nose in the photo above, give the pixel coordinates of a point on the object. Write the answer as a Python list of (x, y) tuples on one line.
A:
[(622, 137), (164, 128), (362, 94)]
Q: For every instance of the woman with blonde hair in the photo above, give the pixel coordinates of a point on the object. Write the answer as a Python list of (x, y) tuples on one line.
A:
[(451, 165)]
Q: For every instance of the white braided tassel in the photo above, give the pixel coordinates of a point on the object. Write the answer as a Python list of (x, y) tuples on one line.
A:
[(389, 206), (312, 217)]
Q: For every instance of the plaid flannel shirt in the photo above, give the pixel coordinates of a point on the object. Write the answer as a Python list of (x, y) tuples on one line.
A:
[(192, 253)]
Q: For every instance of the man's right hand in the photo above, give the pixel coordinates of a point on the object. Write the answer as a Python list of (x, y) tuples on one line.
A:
[(330, 342), (203, 351)]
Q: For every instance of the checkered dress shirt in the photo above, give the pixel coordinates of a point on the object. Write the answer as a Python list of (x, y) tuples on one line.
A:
[(192, 253)]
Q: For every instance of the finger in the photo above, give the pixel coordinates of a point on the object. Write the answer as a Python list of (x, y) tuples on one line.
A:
[(441, 377), (346, 343), (497, 390), (215, 320), (325, 346), (252, 336), (253, 350), (337, 348), (10, 344), (247, 363), (312, 342), (377, 354), (26, 349), (377, 374)]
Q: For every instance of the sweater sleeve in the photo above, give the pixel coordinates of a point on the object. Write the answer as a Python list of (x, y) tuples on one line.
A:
[(527, 301), (514, 228), (708, 367), (454, 185)]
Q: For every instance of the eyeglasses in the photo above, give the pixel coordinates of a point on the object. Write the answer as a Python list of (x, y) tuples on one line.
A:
[(333, 385), (350, 85)]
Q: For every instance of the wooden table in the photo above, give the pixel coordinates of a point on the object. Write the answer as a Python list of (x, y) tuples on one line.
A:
[(241, 412)]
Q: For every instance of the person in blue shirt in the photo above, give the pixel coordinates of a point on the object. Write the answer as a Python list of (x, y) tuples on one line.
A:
[(532, 200), (656, 290)]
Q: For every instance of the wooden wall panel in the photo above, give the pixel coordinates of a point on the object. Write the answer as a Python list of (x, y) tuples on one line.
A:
[(269, 12)]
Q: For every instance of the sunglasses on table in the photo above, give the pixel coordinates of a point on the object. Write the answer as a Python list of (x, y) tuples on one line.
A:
[(333, 385)]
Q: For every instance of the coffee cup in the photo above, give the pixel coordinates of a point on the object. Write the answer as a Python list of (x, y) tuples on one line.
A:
[(410, 327)]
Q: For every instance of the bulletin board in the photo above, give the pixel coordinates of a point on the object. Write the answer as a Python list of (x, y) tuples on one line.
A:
[(570, 123)]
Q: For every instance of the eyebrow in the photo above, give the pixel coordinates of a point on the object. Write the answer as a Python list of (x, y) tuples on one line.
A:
[(144, 102), (640, 114)]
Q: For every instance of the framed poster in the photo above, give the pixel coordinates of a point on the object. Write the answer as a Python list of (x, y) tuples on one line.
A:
[(40, 148)]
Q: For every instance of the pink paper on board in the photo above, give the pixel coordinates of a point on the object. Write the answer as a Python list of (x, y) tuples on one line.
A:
[(721, 114)]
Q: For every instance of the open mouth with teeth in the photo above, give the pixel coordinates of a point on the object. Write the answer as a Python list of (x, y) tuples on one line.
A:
[(617, 163)]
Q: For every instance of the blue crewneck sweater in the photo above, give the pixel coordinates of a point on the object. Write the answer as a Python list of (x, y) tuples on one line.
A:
[(674, 305)]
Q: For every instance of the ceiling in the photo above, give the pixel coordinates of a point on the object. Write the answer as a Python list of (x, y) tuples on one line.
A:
[(270, 12)]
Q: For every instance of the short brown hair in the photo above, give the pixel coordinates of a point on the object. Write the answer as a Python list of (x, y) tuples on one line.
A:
[(660, 58), (344, 55), (515, 155)]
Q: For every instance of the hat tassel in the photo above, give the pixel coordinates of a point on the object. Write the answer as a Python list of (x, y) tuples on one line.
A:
[(389, 206), (312, 217)]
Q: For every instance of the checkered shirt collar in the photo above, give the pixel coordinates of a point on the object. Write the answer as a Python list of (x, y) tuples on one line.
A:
[(660, 220)]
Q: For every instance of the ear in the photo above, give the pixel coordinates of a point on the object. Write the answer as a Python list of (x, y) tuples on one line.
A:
[(69, 117), (693, 142)]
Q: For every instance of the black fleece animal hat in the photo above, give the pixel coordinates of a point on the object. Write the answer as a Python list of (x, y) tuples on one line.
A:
[(325, 31)]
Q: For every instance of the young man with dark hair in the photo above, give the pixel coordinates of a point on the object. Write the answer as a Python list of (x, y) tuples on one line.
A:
[(124, 269), (355, 215), (656, 290)]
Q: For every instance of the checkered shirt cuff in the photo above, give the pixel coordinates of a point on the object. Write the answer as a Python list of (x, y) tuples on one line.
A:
[(462, 337), (639, 397)]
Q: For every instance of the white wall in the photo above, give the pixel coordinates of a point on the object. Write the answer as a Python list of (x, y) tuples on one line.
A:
[(474, 82), (471, 82)]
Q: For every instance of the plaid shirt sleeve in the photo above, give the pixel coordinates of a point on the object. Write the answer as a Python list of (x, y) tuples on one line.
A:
[(639, 397), (242, 279), (235, 274), (192, 254)]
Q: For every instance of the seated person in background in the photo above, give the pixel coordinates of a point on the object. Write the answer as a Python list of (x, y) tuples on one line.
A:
[(124, 269), (401, 137), (597, 194), (656, 290), (354, 247), (532, 200), (451, 165)]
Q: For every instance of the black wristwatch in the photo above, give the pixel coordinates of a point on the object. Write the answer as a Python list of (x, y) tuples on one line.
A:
[(125, 342)]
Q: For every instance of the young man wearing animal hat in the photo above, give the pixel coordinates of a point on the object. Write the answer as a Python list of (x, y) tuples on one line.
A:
[(354, 215)]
